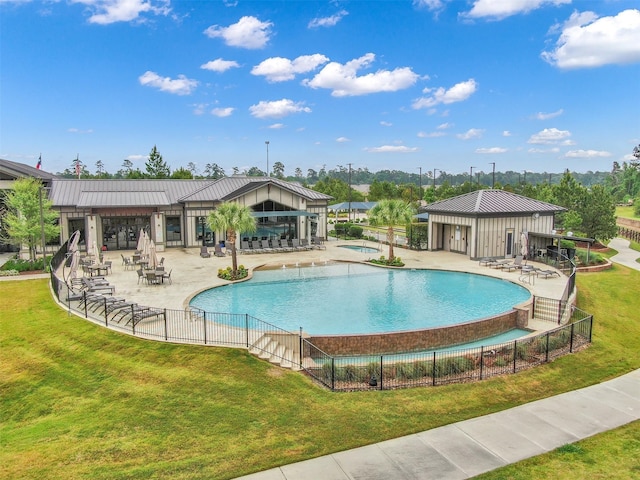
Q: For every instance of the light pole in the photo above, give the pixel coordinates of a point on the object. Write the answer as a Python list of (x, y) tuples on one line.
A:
[(44, 254), (267, 144), (419, 185), (434, 177), (471, 175), (493, 174)]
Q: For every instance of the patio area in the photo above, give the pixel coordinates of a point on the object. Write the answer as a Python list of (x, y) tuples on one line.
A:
[(191, 273)]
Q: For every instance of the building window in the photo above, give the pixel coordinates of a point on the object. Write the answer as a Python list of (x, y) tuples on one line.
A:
[(77, 224), (203, 233), (174, 229)]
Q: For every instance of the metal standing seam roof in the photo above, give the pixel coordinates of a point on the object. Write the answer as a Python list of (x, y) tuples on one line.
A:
[(143, 192), (106, 193), (354, 206), (21, 170), (488, 202), (228, 188)]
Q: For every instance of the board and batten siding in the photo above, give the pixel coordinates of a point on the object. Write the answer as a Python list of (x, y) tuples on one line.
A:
[(487, 236)]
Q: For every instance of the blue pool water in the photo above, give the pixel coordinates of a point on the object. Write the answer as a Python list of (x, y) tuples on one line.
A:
[(360, 249), (349, 298)]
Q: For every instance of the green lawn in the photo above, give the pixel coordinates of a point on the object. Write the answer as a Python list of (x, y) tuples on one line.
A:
[(626, 212), (79, 401)]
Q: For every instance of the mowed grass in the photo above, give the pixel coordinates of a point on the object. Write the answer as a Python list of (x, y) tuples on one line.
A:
[(79, 401)]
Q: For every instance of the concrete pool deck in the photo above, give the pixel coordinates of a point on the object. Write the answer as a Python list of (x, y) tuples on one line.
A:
[(191, 274)]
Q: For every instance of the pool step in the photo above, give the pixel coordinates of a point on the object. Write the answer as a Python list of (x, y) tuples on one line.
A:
[(271, 350)]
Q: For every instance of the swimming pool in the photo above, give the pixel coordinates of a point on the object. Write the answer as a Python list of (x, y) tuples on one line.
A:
[(353, 298), (360, 248)]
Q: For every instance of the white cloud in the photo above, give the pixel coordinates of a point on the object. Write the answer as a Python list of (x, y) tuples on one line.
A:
[(499, 9), (458, 93), (180, 86), (249, 32), (586, 154), (549, 136), (547, 116), (386, 124), (77, 130), (587, 41), (328, 21), (431, 134), (219, 65), (433, 5), (470, 134), (491, 150), (278, 69), (391, 149), (138, 158), (444, 126), (222, 112), (342, 140), (506, 133), (344, 81), (277, 108), (276, 126), (105, 12), (542, 150)]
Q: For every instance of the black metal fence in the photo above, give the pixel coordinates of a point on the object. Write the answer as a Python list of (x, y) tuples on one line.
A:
[(292, 350), (421, 369), (629, 234)]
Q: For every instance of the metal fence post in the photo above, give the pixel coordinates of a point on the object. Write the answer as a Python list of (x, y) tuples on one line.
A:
[(433, 370), (571, 339), (482, 359), (381, 370), (559, 312), (590, 328), (204, 326), (301, 347), (246, 328), (166, 333), (546, 357), (333, 374), (106, 313), (515, 351)]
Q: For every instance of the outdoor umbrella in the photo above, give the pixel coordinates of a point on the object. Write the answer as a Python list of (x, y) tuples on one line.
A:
[(141, 240), (73, 268), (524, 245), (153, 258)]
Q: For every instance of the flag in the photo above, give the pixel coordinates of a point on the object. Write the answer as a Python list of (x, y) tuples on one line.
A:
[(39, 164), (78, 169)]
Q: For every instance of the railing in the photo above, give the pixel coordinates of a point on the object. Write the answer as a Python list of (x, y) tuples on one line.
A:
[(422, 369), (198, 327)]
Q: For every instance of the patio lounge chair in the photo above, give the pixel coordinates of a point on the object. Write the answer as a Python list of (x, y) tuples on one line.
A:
[(499, 263), (295, 244), (284, 245), (218, 251), (546, 273), (517, 264), (204, 253), (244, 247), (264, 246)]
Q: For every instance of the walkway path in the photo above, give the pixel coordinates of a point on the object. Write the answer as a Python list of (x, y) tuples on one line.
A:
[(465, 449), (625, 256)]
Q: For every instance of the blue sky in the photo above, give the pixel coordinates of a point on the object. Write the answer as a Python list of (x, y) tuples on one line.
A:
[(532, 85)]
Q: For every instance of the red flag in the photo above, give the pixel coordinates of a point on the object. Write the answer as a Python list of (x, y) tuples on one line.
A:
[(39, 164)]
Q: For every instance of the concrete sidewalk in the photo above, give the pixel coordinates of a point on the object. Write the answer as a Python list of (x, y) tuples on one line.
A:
[(465, 449), (625, 255)]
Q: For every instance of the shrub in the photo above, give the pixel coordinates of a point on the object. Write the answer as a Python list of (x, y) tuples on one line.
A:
[(394, 262), (9, 273), (227, 273), (501, 362), (27, 265), (355, 231)]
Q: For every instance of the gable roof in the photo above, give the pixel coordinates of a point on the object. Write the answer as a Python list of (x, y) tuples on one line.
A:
[(11, 170), (228, 188), (146, 192), (491, 202)]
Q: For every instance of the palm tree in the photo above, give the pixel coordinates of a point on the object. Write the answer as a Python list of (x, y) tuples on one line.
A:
[(232, 218), (390, 212)]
